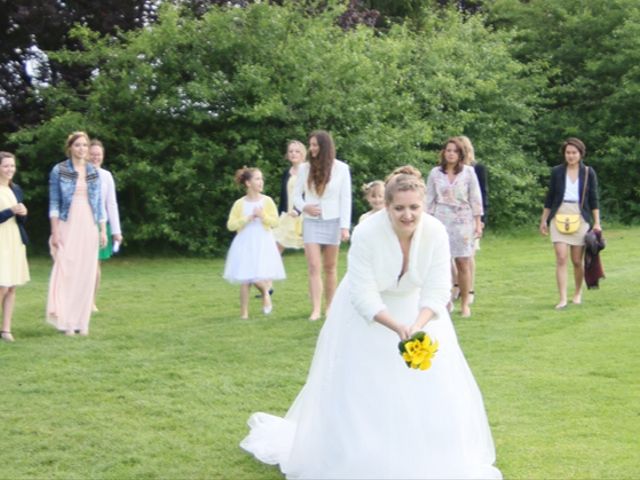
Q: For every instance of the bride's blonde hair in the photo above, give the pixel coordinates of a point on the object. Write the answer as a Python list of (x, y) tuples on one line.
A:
[(403, 179)]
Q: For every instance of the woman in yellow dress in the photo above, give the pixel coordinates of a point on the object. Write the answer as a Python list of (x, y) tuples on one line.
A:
[(14, 269)]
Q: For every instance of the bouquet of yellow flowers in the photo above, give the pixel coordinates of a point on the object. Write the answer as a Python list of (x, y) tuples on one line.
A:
[(418, 351)]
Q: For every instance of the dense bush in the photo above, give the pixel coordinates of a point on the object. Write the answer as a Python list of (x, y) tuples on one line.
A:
[(184, 102)]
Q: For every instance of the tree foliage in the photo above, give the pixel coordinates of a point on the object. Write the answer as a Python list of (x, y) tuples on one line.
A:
[(184, 102), (29, 26), (590, 53)]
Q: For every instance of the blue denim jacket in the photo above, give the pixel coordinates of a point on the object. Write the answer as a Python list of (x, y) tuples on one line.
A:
[(62, 185)]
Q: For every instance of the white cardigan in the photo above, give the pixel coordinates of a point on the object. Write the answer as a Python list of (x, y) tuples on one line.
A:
[(335, 202), (109, 200), (375, 261)]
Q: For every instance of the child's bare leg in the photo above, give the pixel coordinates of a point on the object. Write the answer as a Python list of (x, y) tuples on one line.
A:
[(244, 300)]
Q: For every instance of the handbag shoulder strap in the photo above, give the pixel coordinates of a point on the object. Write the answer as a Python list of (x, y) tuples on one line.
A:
[(584, 187)]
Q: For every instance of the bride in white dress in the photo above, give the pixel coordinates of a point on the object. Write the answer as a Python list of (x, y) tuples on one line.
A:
[(363, 414)]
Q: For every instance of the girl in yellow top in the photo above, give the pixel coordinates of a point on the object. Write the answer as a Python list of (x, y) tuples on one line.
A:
[(253, 257)]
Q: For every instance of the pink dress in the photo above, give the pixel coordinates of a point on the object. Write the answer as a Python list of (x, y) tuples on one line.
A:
[(75, 265)]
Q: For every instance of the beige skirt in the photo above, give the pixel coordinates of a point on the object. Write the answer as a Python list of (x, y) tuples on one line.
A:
[(576, 238)]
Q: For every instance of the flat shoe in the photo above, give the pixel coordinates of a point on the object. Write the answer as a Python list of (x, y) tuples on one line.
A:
[(7, 337), (267, 310), (561, 305)]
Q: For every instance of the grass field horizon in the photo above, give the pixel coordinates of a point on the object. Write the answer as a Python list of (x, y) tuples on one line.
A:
[(164, 384)]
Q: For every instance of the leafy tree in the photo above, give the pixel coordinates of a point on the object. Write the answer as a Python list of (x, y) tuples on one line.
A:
[(186, 101), (27, 27), (590, 54)]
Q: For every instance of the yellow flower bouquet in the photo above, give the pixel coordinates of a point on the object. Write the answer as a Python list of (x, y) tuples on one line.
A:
[(418, 351)]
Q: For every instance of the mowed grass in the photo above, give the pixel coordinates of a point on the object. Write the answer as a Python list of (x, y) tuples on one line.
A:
[(163, 386)]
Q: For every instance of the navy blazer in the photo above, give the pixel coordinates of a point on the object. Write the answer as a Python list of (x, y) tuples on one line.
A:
[(481, 173), (284, 194), (557, 184), (21, 220)]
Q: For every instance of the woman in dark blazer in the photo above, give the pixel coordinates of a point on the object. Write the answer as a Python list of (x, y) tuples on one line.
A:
[(14, 269), (568, 194)]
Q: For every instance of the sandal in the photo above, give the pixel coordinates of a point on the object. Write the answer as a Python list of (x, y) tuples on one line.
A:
[(7, 337), (455, 292)]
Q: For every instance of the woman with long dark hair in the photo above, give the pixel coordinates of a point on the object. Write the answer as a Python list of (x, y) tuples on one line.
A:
[(323, 195), (454, 198)]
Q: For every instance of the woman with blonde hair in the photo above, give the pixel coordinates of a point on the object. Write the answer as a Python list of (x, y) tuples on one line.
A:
[(14, 269), (481, 173), (323, 195), (362, 412), (288, 233), (78, 230)]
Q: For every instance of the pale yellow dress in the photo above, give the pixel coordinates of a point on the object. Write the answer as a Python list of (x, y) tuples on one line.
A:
[(288, 232), (14, 269), (75, 265)]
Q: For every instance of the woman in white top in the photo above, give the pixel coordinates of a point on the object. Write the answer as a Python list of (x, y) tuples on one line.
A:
[(110, 205), (323, 195)]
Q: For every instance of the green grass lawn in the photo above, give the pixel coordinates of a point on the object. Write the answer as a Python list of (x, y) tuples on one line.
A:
[(165, 383)]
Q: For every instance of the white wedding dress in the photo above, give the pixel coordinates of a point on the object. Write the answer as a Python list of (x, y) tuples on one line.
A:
[(363, 414)]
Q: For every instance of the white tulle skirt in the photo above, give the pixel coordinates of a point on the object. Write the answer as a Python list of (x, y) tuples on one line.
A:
[(253, 256), (363, 414)]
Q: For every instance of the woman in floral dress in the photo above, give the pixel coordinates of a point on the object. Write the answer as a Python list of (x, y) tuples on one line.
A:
[(453, 197)]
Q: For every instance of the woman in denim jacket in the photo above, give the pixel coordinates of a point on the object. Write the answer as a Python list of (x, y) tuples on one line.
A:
[(77, 230)]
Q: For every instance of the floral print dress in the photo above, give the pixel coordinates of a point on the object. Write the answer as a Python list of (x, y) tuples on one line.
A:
[(455, 204)]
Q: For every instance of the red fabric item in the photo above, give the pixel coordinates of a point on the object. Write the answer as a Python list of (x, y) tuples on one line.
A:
[(593, 269)]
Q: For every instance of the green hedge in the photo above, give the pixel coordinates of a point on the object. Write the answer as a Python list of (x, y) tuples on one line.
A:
[(183, 103)]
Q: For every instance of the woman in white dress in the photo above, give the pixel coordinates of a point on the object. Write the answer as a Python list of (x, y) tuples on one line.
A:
[(363, 413)]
